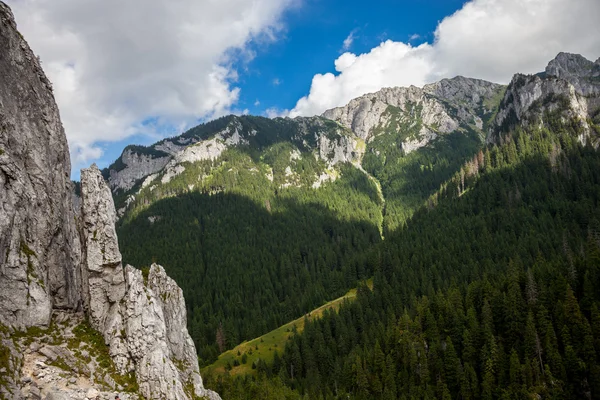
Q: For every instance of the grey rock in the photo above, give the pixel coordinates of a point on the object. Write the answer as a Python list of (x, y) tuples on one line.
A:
[(92, 393), (58, 395), (103, 278), (136, 166), (35, 393), (570, 80), (442, 107), (39, 249), (144, 323)]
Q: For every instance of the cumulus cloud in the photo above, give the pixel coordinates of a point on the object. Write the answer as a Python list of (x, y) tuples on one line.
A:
[(487, 39), (389, 64), (115, 64)]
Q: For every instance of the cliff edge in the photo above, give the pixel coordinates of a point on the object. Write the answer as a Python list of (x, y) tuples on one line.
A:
[(74, 323)]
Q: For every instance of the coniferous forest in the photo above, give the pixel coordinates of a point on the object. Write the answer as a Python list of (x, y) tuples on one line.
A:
[(488, 290)]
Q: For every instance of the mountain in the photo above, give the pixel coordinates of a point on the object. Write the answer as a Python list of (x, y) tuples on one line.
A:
[(569, 89), (74, 324), (261, 220), (233, 206), (489, 290)]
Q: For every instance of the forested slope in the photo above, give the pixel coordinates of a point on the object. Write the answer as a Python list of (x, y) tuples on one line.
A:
[(278, 223), (489, 291)]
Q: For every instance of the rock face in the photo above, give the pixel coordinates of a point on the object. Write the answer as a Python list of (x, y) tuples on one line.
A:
[(39, 248), (103, 278), (142, 319), (442, 107), (570, 86), (136, 166), (315, 137), (53, 262)]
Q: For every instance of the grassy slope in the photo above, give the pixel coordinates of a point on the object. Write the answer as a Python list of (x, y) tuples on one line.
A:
[(270, 342)]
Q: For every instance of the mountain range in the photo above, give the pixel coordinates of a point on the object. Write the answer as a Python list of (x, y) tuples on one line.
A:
[(261, 220), (457, 225)]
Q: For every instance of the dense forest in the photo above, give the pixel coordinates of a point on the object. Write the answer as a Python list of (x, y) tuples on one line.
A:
[(252, 253), (489, 291)]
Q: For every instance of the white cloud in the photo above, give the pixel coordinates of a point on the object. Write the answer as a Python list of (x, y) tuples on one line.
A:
[(257, 103), (487, 39), (389, 64), (117, 63), (274, 112), (414, 36), (276, 82), (349, 40)]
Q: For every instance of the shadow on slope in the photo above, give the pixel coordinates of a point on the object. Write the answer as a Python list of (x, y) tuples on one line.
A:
[(245, 268), (512, 259)]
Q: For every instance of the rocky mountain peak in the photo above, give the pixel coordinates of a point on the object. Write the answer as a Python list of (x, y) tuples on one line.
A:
[(468, 91), (437, 108), (568, 65), (568, 90)]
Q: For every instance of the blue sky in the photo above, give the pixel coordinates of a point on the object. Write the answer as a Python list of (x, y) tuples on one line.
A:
[(312, 37), (134, 72)]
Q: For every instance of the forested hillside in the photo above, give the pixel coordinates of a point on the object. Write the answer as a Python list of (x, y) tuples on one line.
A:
[(488, 292), (484, 253), (279, 223)]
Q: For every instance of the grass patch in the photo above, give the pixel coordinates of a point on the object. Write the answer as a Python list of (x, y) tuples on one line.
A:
[(60, 363), (4, 361), (48, 335), (145, 274), (265, 346), (99, 350)]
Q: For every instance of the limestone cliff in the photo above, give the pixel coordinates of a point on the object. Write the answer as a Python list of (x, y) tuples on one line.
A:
[(569, 89), (135, 166), (441, 107), (74, 323), (142, 319), (39, 248)]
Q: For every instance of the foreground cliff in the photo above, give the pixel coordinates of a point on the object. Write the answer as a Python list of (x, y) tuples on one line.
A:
[(39, 249), (74, 323), (142, 316)]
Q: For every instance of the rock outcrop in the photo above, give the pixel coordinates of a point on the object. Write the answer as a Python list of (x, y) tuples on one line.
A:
[(142, 319), (442, 107), (54, 262), (570, 86), (39, 248), (135, 167), (103, 280)]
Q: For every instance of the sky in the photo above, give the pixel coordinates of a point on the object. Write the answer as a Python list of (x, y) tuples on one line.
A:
[(135, 71)]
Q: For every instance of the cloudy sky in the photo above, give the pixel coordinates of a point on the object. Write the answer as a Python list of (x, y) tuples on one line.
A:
[(137, 70)]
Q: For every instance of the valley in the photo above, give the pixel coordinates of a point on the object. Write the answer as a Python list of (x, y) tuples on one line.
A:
[(454, 176), (440, 241)]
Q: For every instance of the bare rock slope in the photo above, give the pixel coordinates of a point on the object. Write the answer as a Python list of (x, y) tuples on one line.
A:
[(63, 289), (569, 89), (39, 249)]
